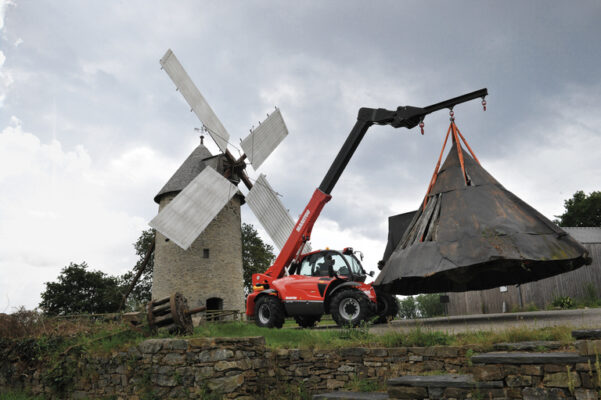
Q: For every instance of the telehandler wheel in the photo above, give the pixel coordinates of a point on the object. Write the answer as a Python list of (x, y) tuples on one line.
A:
[(349, 307), (307, 321), (387, 309), (269, 312)]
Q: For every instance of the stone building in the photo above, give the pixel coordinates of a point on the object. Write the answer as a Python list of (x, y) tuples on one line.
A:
[(209, 273)]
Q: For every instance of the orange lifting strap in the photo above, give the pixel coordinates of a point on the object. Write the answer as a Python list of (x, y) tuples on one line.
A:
[(456, 135)]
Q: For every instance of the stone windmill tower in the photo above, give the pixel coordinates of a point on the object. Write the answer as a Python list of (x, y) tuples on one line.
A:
[(198, 246), (198, 272)]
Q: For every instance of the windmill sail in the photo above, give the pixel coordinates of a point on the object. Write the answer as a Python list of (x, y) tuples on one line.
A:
[(270, 212), (264, 139), (197, 102), (471, 234), (193, 209)]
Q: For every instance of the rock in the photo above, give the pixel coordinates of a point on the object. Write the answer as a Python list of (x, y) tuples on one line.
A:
[(589, 347), (174, 359), (518, 380), (334, 384), (151, 346), (543, 394), (215, 355), (226, 384), (487, 373), (175, 344), (562, 380), (585, 394)]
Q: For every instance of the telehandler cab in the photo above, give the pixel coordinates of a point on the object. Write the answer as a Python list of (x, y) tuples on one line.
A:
[(330, 281)]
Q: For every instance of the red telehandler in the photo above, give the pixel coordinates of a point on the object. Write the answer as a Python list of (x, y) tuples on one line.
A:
[(330, 281)]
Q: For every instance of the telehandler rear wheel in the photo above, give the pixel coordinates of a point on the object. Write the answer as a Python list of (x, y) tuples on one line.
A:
[(349, 307), (269, 312)]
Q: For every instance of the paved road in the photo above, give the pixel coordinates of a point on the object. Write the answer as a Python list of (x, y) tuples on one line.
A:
[(581, 318)]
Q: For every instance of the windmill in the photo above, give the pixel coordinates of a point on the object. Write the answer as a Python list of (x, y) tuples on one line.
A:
[(198, 245)]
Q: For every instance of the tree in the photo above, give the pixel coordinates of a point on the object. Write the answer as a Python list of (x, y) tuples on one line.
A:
[(581, 210), (79, 290), (142, 291), (408, 308), (256, 255), (429, 305)]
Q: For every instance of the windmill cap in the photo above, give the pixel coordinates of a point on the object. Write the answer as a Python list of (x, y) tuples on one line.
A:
[(193, 165)]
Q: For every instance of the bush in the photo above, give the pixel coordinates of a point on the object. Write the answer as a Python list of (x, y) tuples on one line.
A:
[(563, 302)]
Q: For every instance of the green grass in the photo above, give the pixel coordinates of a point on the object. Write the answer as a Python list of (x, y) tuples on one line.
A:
[(350, 337)]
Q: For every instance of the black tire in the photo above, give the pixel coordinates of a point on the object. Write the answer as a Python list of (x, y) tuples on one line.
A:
[(387, 309), (349, 307), (269, 312), (307, 321)]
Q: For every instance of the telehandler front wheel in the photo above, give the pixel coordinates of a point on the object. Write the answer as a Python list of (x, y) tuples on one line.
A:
[(269, 312), (350, 307)]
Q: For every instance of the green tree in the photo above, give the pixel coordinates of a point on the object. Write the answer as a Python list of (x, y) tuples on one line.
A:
[(581, 210), (257, 256), (79, 290), (429, 305), (142, 291), (408, 308)]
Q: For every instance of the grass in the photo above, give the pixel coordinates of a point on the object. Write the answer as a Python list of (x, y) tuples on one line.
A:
[(14, 395), (351, 337)]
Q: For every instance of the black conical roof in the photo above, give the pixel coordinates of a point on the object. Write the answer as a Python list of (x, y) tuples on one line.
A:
[(193, 165), (476, 235)]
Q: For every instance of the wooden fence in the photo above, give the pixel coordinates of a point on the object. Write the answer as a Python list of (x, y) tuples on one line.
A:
[(575, 284)]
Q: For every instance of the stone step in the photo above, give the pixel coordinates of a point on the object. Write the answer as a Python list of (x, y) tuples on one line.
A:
[(528, 346), (351, 396), (439, 386), (583, 334), (446, 380), (529, 358)]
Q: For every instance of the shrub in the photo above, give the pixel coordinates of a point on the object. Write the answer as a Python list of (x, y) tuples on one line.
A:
[(563, 302)]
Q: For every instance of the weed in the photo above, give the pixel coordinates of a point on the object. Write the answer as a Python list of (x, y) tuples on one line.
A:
[(358, 384), (468, 355), (563, 302), (570, 380)]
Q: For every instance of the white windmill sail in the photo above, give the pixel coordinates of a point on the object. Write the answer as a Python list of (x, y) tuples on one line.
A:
[(270, 212), (193, 209), (197, 102), (264, 139)]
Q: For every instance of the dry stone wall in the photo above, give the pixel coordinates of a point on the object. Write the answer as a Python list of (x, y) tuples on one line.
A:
[(244, 368)]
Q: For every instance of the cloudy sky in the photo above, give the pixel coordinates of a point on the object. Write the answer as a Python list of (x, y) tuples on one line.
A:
[(91, 128)]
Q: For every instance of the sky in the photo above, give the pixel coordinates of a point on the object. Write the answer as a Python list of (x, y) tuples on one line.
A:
[(91, 128)]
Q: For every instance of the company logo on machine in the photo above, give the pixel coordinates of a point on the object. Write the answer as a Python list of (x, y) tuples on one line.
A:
[(302, 221), (291, 298)]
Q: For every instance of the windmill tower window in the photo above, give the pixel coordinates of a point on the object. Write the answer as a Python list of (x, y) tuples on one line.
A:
[(205, 253)]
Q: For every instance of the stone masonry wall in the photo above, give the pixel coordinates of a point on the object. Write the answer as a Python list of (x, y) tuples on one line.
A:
[(244, 368), (199, 278)]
